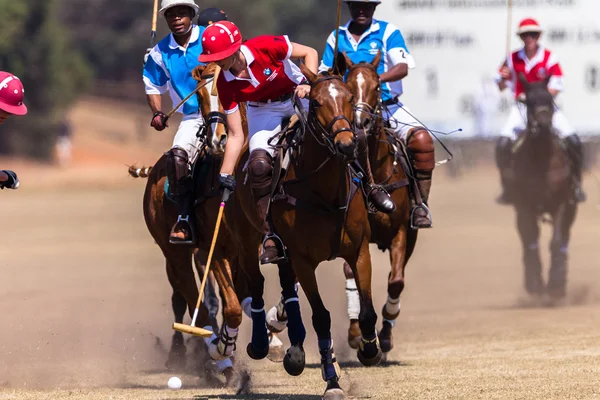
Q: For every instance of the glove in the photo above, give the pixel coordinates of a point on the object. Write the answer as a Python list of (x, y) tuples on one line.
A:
[(148, 50), (227, 182), (159, 121), (12, 182)]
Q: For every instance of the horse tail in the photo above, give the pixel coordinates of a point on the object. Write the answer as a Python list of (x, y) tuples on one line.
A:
[(136, 172)]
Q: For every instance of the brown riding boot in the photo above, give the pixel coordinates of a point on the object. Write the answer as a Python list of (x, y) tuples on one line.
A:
[(260, 174), (180, 190), (376, 195), (421, 150)]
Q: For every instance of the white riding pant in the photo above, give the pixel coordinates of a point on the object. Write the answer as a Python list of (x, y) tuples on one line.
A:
[(517, 122), (186, 137), (264, 122), (401, 119)]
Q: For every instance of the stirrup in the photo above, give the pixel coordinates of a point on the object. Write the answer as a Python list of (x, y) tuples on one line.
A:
[(192, 239), (421, 206), (278, 244)]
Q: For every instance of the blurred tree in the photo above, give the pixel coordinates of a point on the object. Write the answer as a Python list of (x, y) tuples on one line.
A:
[(36, 48)]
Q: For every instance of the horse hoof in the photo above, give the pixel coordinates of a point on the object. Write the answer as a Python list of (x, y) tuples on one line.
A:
[(334, 392), (354, 335), (256, 354), (294, 360), (386, 339), (370, 353)]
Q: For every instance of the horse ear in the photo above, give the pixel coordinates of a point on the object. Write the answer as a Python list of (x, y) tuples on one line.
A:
[(310, 76), (523, 80), (547, 80), (377, 59), (349, 63), (340, 67)]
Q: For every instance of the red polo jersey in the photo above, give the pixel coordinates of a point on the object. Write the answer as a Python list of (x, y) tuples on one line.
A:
[(272, 73), (542, 65)]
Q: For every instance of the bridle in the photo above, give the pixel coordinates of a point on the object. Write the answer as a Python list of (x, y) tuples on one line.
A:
[(364, 107), (325, 136)]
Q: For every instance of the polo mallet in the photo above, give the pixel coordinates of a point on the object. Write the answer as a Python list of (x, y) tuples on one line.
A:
[(508, 28), (174, 110), (337, 32), (154, 19), (192, 329)]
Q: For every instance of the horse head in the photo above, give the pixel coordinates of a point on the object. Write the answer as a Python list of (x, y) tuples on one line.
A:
[(331, 110), (215, 122), (365, 84), (540, 105)]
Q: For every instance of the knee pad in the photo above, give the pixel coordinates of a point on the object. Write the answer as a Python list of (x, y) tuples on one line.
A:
[(260, 172), (504, 152), (177, 168), (422, 151)]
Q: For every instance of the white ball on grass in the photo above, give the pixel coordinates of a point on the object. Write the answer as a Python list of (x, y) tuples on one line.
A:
[(174, 383)]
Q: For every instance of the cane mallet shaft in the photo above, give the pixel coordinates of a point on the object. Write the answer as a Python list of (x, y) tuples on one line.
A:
[(508, 28), (154, 20), (337, 31), (174, 110), (192, 329)]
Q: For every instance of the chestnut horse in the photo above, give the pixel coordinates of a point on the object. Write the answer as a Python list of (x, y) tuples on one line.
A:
[(160, 213), (390, 232), (319, 216)]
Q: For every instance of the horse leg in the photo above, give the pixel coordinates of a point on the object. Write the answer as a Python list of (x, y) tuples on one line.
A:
[(176, 359), (287, 314), (330, 369), (181, 276), (391, 309), (369, 352), (211, 299), (563, 220), (258, 348), (221, 347), (529, 232), (353, 306)]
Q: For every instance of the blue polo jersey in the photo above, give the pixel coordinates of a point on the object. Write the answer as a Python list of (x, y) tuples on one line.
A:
[(169, 68), (380, 36)]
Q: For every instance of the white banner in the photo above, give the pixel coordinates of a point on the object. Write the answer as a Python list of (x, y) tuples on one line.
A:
[(458, 46)]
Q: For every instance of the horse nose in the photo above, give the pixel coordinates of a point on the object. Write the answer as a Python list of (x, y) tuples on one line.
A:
[(347, 148)]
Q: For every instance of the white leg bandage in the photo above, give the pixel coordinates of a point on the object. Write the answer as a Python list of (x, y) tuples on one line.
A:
[(224, 364), (353, 299), (392, 306), (274, 322)]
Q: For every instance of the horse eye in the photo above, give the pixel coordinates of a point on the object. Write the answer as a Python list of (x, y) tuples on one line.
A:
[(352, 99)]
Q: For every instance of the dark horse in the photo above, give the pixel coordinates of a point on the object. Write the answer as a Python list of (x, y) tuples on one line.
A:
[(543, 183), (319, 216)]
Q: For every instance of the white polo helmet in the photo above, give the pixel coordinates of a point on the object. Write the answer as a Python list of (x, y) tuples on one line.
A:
[(166, 4)]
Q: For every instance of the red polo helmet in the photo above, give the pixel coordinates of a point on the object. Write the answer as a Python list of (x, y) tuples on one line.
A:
[(219, 41), (11, 94), (529, 25)]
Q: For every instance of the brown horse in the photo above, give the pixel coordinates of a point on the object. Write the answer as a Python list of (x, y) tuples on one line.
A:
[(160, 213), (544, 185), (390, 232), (319, 216)]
